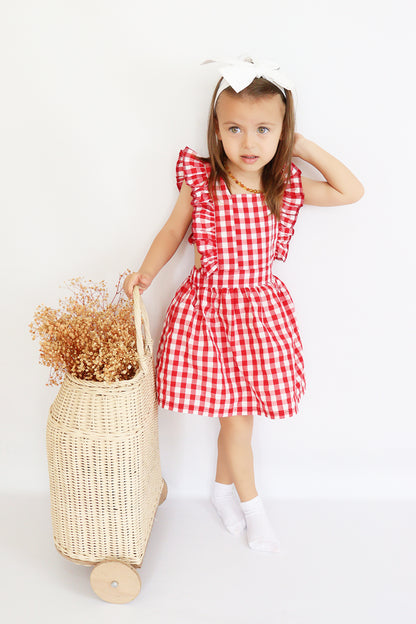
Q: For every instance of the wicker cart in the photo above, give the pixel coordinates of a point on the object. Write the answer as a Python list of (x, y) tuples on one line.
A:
[(104, 471)]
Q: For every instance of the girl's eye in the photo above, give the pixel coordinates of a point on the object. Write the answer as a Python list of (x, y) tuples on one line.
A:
[(234, 129), (263, 130)]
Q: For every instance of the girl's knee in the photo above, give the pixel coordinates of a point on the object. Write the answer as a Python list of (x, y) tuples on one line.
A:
[(237, 426), (237, 421)]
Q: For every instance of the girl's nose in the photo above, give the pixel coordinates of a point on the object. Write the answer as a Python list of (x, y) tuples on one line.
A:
[(249, 140)]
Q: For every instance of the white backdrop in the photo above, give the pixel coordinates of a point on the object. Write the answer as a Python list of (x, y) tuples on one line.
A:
[(97, 99)]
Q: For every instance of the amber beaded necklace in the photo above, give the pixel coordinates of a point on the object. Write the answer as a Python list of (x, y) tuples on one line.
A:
[(246, 188)]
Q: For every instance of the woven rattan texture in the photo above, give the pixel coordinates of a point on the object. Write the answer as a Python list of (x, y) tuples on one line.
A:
[(104, 467)]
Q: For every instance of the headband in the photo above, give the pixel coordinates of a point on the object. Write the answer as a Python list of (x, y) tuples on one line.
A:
[(239, 73)]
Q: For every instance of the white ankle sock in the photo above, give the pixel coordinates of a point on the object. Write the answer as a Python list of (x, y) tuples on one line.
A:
[(227, 507), (260, 533)]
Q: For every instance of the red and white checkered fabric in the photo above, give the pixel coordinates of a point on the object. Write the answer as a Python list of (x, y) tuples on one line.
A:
[(230, 344)]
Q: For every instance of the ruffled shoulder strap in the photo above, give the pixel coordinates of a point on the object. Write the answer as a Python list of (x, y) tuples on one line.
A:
[(291, 203), (195, 173), (191, 169)]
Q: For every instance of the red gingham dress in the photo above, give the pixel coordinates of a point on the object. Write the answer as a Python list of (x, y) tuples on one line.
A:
[(230, 345)]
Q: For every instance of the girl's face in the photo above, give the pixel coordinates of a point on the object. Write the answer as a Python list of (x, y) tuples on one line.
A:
[(250, 130)]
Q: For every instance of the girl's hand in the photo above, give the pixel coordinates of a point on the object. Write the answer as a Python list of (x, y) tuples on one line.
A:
[(340, 186), (298, 146), (136, 279)]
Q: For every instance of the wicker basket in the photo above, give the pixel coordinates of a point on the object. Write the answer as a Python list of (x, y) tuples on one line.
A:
[(104, 464)]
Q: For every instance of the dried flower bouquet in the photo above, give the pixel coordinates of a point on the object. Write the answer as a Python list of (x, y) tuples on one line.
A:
[(88, 336)]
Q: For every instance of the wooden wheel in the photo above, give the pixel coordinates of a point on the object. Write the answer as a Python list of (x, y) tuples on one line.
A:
[(164, 493), (114, 581)]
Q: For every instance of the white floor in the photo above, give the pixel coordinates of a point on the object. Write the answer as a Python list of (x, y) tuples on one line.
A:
[(341, 562)]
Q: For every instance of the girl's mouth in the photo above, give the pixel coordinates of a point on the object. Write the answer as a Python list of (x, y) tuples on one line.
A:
[(248, 158)]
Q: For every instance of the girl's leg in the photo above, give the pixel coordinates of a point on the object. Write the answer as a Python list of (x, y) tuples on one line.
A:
[(235, 465), (235, 456)]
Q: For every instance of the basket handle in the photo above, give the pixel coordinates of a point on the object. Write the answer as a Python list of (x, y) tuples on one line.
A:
[(145, 341)]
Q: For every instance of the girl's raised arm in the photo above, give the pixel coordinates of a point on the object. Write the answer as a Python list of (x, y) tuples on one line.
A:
[(165, 243), (341, 185)]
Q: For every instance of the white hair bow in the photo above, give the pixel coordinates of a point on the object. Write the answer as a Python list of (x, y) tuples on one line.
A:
[(239, 73)]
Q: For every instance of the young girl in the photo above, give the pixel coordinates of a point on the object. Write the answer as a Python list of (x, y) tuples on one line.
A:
[(230, 347)]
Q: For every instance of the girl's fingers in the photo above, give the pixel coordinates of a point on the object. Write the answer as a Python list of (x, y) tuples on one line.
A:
[(129, 284), (135, 279)]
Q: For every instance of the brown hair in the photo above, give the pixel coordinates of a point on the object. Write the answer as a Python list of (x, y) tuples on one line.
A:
[(276, 173)]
